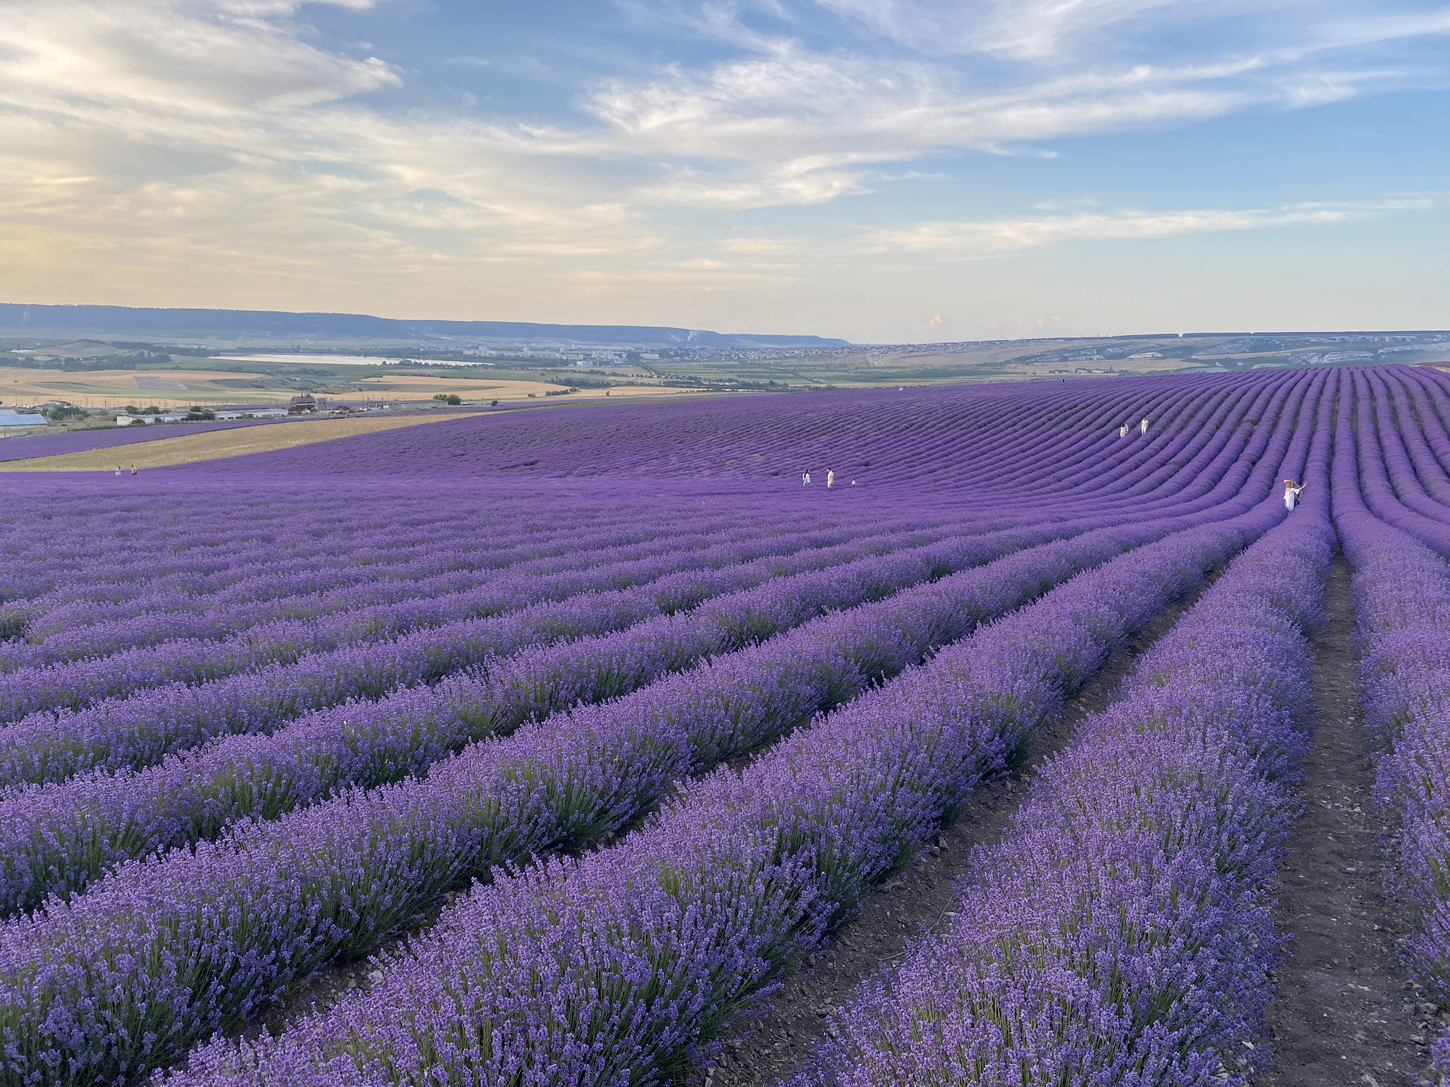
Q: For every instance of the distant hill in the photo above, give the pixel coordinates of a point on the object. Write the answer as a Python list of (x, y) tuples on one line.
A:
[(274, 324)]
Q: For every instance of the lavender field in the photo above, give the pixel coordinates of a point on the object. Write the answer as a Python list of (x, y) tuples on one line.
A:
[(575, 738)]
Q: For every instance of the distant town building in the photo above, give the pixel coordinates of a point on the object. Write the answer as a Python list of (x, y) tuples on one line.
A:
[(251, 412), (307, 404), (9, 417)]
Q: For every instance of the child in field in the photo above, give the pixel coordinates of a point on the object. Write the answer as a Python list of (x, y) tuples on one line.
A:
[(1291, 494)]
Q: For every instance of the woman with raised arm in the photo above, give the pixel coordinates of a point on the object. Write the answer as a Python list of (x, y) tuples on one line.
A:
[(1291, 494)]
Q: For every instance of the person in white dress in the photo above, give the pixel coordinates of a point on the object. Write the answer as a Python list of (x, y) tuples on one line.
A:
[(1145, 425), (1291, 494), (830, 478), (1123, 431)]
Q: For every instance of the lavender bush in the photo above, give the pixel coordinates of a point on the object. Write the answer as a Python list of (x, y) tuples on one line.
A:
[(694, 916)]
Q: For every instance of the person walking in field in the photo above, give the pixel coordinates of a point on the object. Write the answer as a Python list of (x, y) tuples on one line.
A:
[(1291, 494), (1145, 424), (1123, 431), (830, 478), (806, 478)]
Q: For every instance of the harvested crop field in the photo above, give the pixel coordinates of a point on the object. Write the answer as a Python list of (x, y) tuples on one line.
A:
[(169, 450), (1087, 732)]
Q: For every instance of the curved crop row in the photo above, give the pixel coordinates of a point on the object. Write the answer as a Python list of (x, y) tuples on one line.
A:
[(1402, 627), (1121, 932), (163, 618), (656, 944), (274, 586), (273, 901), (192, 661), (1195, 447), (141, 730), (58, 838)]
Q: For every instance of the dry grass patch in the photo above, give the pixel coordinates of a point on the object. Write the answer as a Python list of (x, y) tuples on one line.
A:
[(218, 444)]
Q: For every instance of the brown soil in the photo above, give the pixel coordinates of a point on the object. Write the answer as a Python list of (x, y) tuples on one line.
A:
[(218, 444), (1346, 1011), (916, 902)]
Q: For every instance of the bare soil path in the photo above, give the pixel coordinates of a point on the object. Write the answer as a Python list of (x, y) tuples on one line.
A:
[(169, 450), (918, 900), (1346, 1011)]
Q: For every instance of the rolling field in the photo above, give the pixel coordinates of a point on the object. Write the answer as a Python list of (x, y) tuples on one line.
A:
[(557, 747), (166, 450), (116, 388)]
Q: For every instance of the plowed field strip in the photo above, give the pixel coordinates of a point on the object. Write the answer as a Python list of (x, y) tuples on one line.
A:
[(1346, 1012), (219, 444)]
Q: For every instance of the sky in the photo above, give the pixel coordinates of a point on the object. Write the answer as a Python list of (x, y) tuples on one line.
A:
[(885, 171)]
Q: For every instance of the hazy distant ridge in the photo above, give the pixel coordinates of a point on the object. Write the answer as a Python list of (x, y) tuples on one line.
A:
[(200, 322)]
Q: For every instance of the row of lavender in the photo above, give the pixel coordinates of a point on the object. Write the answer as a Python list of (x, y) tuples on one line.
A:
[(192, 660), (140, 730), (919, 438), (265, 566), (58, 838), (80, 630), (656, 945), (406, 733), (1391, 487), (121, 978), (216, 934), (56, 547), (188, 654), (76, 551), (1122, 932)]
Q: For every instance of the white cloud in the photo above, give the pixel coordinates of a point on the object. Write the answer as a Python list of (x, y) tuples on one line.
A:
[(992, 237), (219, 151), (192, 59)]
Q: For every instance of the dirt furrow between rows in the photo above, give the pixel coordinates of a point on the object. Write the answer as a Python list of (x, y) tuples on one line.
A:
[(916, 901), (1345, 1010)]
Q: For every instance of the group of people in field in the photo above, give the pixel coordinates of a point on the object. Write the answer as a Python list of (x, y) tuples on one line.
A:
[(1291, 487), (119, 472)]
